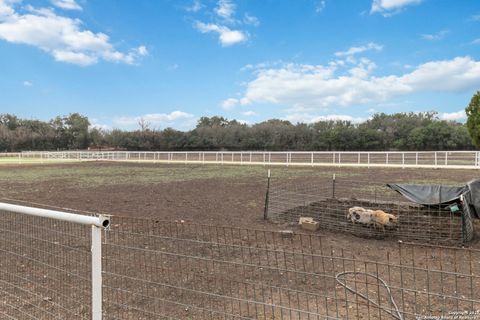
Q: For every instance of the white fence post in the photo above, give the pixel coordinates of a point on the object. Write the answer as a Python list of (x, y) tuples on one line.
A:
[(96, 273)]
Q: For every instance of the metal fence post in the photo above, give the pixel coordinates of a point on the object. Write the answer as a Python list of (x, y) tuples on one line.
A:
[(333, 186), (265, 211), (96, 273)]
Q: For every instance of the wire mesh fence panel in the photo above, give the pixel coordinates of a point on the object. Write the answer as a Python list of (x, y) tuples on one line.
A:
[(45, 268), (163, 270)]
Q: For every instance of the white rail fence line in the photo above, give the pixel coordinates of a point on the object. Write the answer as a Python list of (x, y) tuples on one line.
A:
[(412, 159), (52, 230)]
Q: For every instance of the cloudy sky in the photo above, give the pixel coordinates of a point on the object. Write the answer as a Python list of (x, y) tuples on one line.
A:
[(171, 61)]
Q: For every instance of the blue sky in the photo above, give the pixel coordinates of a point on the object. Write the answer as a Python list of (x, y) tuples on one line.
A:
[(170, 62)]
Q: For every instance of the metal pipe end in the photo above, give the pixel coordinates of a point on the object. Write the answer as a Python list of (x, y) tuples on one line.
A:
[(104, 221)]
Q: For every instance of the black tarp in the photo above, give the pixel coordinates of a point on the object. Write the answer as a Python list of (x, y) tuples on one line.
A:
[(441, 195)]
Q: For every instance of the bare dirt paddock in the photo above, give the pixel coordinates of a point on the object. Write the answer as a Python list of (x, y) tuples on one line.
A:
[(223, 261)]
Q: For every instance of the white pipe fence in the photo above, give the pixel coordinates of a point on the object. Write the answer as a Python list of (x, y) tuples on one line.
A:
[(399, 159), (52, 257)]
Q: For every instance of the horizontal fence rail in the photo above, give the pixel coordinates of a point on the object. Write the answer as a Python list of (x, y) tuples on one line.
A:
[(407, 159)]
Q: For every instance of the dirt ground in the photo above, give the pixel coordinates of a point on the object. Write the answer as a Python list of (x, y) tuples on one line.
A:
[(229, 196), (205, 194)]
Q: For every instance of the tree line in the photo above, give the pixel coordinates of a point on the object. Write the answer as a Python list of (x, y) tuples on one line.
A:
[(400, 131)]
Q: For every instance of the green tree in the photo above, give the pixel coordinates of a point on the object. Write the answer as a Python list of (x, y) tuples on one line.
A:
[(473, 118)]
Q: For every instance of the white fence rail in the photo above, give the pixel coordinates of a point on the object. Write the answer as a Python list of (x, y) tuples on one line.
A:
[(49, 265), (420, 159)]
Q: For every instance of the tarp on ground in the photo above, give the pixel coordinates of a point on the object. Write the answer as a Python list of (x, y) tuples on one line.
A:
[(441, 195)]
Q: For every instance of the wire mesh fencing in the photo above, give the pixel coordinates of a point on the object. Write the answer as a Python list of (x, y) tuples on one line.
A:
[(328, 200), (165, 270), (155, 269), (45, 268)]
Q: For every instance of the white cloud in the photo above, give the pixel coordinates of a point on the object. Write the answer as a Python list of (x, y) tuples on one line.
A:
[(175, 118), (317, 87), (195, 7), (62, 37), (95, 124), (475, 17), (453, 116), (390, 7), (27, 83), (435, 36), (248, 113), (355, 50), (246, 122), (309, 118), (251, 20), (142, 51), (320, 6), (225, 9), (227, 37), (230, 103), (67, 4), (476, 41)]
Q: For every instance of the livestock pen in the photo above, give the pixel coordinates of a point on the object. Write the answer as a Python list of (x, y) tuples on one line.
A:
[(328, 200)]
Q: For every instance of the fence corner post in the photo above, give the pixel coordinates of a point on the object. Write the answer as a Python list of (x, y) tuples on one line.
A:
[(96, 273)]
